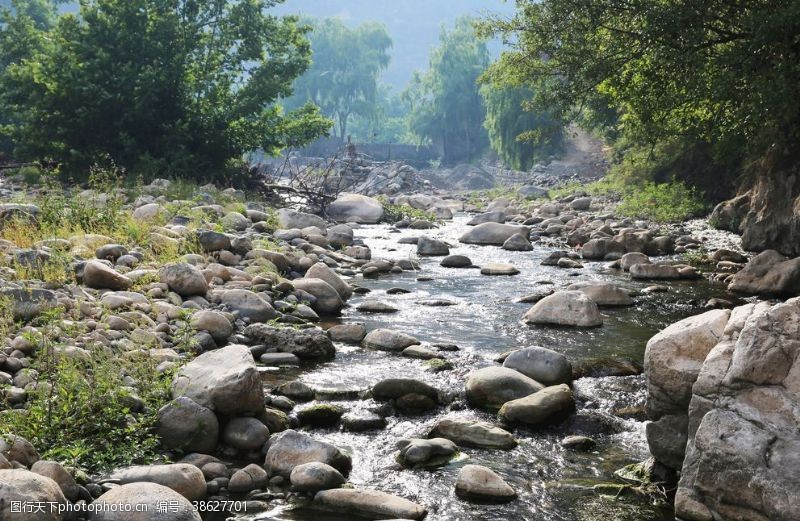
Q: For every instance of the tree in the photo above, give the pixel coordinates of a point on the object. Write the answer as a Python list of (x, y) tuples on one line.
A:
[(726, 74), (446, 105), (347, 63), (162, 87), (517, 132)]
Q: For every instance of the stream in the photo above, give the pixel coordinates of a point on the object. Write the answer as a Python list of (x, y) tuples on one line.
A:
[(485, 321)]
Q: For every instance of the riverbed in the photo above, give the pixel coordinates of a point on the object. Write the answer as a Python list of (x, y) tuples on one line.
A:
[(484, 320)]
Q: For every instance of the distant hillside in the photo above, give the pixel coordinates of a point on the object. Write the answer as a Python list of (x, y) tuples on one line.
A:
[(413, 24)]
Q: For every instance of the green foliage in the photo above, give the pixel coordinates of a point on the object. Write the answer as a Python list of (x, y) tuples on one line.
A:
[(81, 411), (164, 87), (397, 212), (726, 75), (343, 78), (446, 107), (519, 135), (664, 202)]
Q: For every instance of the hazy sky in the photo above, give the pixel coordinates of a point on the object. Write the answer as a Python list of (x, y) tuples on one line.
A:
[(413, 24)]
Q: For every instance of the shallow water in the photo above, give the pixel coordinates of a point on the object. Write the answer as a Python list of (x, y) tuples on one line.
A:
[(485, 321)]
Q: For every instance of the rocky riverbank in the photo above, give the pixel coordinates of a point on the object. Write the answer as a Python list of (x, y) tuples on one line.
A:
[(478, 356)]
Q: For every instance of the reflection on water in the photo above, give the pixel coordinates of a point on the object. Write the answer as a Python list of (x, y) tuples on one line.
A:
[(485, 321)]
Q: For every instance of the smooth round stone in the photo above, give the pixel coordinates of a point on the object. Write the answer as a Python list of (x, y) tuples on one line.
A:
[(476, 482), (498, 268), (315, 476)]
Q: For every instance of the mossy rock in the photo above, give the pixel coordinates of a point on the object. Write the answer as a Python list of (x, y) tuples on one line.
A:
[(320, 415)]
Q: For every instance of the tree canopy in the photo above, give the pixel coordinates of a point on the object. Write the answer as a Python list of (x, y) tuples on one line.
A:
[(446, 107), (182, 87), (518, 134), (343, 78), (722, 73)]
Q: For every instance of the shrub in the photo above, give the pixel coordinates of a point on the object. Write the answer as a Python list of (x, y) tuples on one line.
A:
[(663, 202), (85, 412)]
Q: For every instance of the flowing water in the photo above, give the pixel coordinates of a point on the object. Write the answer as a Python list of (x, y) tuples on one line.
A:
[(485, 321)]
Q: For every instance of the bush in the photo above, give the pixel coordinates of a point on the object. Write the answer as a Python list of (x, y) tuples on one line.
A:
[(95, 412), (663, 202), (393, 213)]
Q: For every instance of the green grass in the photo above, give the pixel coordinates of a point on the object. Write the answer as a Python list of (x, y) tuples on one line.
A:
[(397, 212), (83, 412)]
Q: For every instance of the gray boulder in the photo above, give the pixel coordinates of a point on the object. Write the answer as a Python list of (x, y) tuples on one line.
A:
[(184, 279), (23, 486), (290, 448), (603, 293), (215, 323), (151, 496), (367, 504), (432, 247), (248, 305), (565, 308), (654, 272), (518, 242), (245, 434), (303, 343), (491, 233), (315, 476), (355, 208), (473, 433), (476, 482), (491, 387), (540, 407), (226, 381), (328, 302), (289, 219), (321, 271), (388, 340), (185, 479), (188, 426), (768, 273), (543, 365), (99, 276)]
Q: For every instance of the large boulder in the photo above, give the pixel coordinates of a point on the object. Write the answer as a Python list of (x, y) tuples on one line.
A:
[(644, 271), (99, 276), (214, 323), (291, 219), (18, 449), (476, 482), (743, 442), (183, 424), (492, 233), (185, 479), (367, 504), (538, 408), (156, 503), (184, 279), (315, 476), (473, 433), (599, 249), (672, 361), (541, 364), (565, 308), (491, 387), (768, 273), (226, 381), (603, 293), (321, 271), (18, 486), (355, 208), (303, 343), (248, 305), (488, 217), (328, 301), (428, 247), (56, 472), (389, 340), (290, 448)]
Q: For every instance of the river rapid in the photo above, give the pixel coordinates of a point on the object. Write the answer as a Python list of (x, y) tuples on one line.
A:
[(484, 321)]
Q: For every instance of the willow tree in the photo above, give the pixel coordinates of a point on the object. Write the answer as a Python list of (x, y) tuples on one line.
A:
[(446, 107), (347, 63), (180, 87), (518, 133)]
